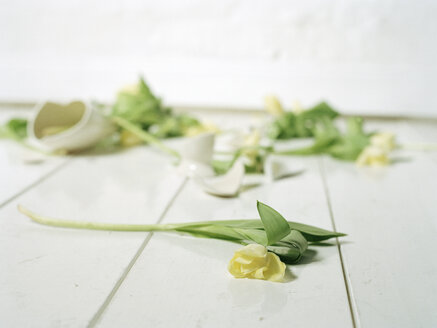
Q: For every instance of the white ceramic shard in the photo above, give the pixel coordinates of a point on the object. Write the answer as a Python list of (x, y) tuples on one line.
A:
[(195, 169), (71, 127), (226, 185), (196, 154), (277, 168), (229, 141)]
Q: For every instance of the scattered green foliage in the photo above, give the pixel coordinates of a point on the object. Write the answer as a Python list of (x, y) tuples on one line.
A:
[(301, 125), (15, 128), (255, 157), (329, 140), (141, 107), (289, 240)]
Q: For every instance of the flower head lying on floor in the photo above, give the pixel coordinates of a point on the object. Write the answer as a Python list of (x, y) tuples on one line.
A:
[(268, 241), (377, 152), (254, 261)]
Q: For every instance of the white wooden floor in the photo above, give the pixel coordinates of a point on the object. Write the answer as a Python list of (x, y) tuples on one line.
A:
[(384, 274)]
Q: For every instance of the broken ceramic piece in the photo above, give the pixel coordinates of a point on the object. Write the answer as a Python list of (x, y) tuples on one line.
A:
[(277, 168), (195, 153), (193, 169), (226, 185), (71, 127)]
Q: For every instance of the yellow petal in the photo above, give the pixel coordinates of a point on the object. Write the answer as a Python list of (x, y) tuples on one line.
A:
[(297, 107), (373, 156), (253, 261), (128, 139), (384, 140), (201, 128), (273, 106), (132, 89), (252, 250), (275, 268)]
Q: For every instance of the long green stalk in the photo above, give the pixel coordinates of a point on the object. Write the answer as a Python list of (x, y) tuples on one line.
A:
[(94, 225), (287, 239), (145, 136), (418, 146), (234, 229)]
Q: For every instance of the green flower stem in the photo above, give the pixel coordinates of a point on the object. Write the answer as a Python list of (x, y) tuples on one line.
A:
[(95, 225), (145, 136), (286, 239), (418, 146), (178, 227), (232, 228)]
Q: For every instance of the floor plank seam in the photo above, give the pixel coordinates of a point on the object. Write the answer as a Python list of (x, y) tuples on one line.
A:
[(423, 139), (36, 182), (351, 300), (98, 315)]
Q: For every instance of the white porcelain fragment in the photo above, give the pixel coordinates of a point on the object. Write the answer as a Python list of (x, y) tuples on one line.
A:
[(226, 185), (276, 168), (196, 154), (85, 125), (229, 141), (193, 169)]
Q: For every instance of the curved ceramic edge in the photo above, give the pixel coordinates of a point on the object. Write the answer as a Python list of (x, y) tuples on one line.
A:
[(276, 168), (193, 169), (196, 149), (226, 185), (90, 129)]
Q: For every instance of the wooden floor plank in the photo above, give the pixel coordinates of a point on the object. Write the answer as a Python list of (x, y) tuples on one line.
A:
[(58, 277), (389, 214), (15, 174), (181, 281)]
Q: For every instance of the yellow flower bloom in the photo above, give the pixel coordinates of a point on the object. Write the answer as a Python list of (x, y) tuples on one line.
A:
[(251, 141), (384, 140), (132, 89), (128, 139), (255, 262), (297, 108), (373, 156), (273, 106), (202, 128)]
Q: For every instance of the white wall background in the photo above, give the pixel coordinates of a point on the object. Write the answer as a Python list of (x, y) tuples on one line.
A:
[(364, 56)]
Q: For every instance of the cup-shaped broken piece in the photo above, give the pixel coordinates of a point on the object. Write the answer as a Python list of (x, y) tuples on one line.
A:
[(71, 127)]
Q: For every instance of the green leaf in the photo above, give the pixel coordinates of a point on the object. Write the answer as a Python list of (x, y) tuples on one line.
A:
[(144, 135), (286, 239), (288, 255), (258, 236), (311, 233), (314, 234), (275, 226), (320, 111), (291, 248), (212, 231), (225, 232), (221, 166), (15, 128), (351, 144), (329, 140), (301, 125), (143, 109), (296, 239), (326, 135)]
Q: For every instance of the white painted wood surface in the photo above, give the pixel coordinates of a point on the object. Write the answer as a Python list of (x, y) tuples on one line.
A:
[(390, 216), (182, 282), (59, 277), (64, 278), (15, 174)]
